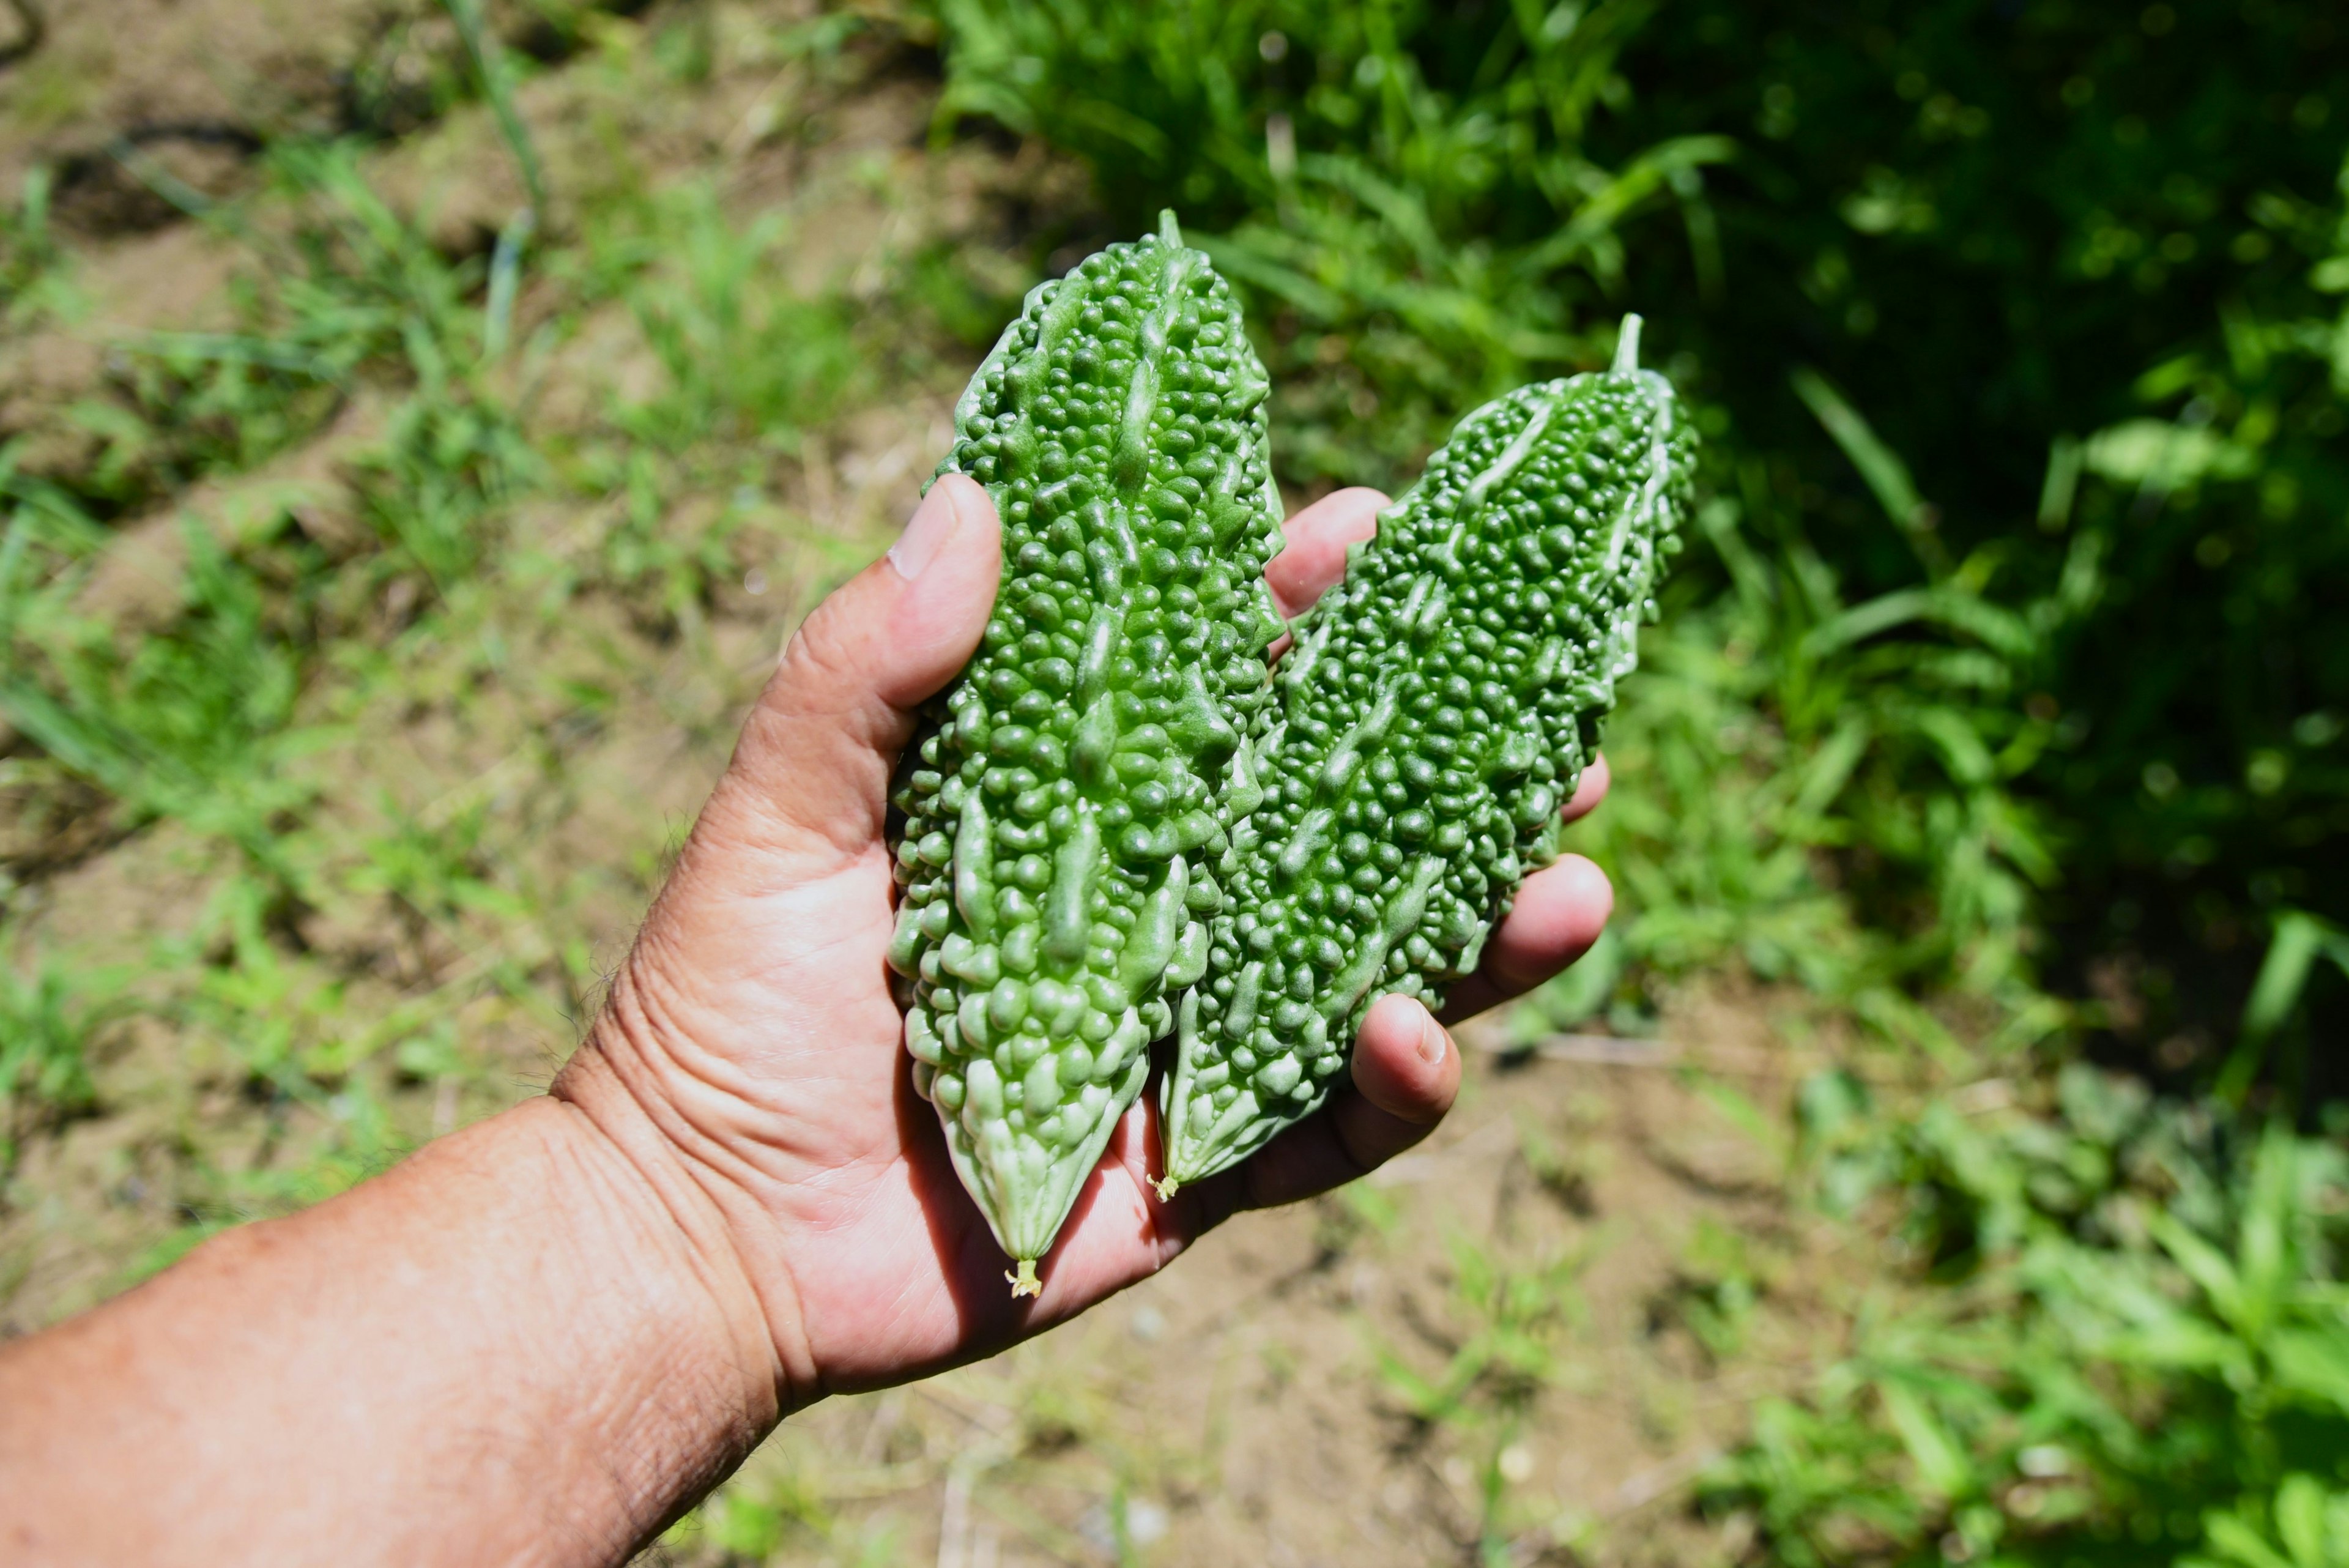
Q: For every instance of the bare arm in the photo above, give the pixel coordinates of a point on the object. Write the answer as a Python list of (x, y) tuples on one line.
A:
[(541, 1339), (510, 1348)]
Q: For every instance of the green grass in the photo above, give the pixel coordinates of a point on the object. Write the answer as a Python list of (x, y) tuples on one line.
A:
[(1506, 1347), (2128, 1327), (1929, 739), (30, 277), (194, 724), (351, 942), (2045, 658), (47, 1019)]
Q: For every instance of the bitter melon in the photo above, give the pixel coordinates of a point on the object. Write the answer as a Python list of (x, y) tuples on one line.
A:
[(1061, 814), (1435, 711)]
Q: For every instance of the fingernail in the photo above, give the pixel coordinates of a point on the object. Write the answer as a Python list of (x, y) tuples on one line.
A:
[(933, 523), (1431, 1040)]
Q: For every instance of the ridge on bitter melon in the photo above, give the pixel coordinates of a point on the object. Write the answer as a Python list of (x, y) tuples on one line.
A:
[(1070, 791), (1436, 710)]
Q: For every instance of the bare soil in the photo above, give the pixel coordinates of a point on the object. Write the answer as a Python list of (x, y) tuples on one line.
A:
[(1238, 1405), (1249, 1405)]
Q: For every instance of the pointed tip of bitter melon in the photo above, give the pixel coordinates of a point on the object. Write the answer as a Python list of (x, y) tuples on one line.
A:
[(1167, 1186), (1024, 1283), (1168, 229), (1626, 347)]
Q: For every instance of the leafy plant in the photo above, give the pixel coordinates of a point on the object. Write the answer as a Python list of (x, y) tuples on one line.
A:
[(194, 723), (488, 61), (46, 1021), (32, 280), (2014, 558), (745, 358), (2305, 1526), (1410, 196), (2140, 1335), (448, 462), (1504, 1352), (2301, 939), (434, 872), (1716, 1287)]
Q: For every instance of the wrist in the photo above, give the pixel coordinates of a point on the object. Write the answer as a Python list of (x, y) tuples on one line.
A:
[(668, 1122), (512, 1324), (670, 1379)]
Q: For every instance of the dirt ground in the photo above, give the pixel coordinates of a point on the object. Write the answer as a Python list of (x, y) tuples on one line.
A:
[(1606, 1221), (1243, 1406)]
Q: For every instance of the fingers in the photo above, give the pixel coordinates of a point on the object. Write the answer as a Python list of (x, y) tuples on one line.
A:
[(905, 626), (1559, 913), (1406, 1069), (1406, 1073), (1589, 791), (817, 750), (1556, 915), (1313, 555)]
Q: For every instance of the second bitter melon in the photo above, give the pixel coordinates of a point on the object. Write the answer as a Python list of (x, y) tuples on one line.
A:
[(1437, 709)]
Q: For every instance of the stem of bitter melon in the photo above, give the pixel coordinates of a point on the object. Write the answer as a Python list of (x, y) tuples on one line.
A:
[(1025, 1283), (1626, 347)]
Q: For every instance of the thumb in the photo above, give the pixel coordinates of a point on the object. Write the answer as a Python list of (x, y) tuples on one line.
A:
[(811, 773)]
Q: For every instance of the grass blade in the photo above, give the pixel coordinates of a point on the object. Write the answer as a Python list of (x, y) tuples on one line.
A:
[(497, 86), (1887, 475)]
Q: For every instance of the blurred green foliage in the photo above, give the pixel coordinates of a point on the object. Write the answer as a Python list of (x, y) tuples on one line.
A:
[(2008, 661), (28, 253), (46, 1020), (2013, 662), (2015, 327), (2136, 1350), (222, 712), (1505, 1350)]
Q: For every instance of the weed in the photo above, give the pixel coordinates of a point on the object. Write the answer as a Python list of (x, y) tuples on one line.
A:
[(1916, 671), (497, 86), (1351, 1216), (46, 1021), (2301, 939), (747, 363), (1353, 183), (2144, 1343), (747, 359), (1716, 1287), (1568, 1168), (193, 724), (2306, 1525), (1506, 1353), (33, 278), (341, 290), (435, 874), (447, 464)]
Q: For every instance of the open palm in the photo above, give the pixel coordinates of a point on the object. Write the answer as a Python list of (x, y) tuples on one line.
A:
[(753, 1024)]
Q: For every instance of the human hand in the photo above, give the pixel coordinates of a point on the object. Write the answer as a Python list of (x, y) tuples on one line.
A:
[(749, 1058)]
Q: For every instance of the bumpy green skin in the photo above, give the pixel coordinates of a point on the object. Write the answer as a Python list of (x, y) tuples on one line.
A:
[(1075, 784), (1436, 710)]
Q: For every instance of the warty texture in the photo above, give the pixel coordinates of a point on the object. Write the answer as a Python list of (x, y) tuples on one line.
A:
[(1061, 814), (1435, 712)]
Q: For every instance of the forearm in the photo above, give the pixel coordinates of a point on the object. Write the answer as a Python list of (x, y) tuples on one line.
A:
[(517, 1346)]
